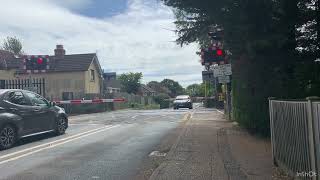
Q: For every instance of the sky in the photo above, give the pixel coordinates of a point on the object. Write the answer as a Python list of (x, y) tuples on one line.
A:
[(127, 35)]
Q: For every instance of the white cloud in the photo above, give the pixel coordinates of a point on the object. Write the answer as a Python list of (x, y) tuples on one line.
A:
[(135, 40), (72, 4)]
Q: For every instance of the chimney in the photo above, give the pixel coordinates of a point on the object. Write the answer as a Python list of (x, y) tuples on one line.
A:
[(59, 52)]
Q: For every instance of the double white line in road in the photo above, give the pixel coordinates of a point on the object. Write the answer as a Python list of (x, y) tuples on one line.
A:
[(29, 151)]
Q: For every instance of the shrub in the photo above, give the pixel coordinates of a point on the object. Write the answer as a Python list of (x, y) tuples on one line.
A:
[(163, 100)]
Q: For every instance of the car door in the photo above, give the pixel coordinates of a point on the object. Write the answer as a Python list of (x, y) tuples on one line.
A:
[(45, 115), (17, 103)]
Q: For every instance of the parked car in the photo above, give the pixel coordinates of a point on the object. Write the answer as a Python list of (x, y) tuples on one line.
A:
[(183, 101), (24, 113)]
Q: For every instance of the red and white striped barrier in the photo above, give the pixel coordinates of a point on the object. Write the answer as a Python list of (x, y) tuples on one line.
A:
[(94, 101)]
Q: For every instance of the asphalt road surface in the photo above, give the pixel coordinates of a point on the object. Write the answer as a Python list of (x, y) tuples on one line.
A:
[(96, 146)]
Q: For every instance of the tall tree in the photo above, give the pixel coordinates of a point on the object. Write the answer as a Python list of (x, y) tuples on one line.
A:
[(262, 36), (173, 86), (158, 87), (13, 45), (130, 82)]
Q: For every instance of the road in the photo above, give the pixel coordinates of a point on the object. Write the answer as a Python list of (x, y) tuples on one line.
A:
[(108, 145)]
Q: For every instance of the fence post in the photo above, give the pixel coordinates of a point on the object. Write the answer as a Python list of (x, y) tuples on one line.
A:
[(272, 129), (312, 129)]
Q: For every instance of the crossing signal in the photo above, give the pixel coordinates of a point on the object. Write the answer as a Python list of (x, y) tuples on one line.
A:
[(213, 55), (219, 52), (36, 63)]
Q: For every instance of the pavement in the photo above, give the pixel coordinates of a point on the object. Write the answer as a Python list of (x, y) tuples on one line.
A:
[(211, 147)]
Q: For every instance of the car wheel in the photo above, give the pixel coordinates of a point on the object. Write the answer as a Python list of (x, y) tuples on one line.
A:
[(8, 137), (61, 126)]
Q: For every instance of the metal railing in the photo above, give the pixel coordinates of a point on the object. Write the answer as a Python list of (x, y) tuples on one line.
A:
[(295, 136)]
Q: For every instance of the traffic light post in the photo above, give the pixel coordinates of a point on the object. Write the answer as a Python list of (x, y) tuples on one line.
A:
[(216, 57)]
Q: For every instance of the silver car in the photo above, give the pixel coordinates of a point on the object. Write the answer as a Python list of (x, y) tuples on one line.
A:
[(183, 101)]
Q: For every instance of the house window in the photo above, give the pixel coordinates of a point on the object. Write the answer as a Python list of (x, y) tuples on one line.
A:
[(92, 75)]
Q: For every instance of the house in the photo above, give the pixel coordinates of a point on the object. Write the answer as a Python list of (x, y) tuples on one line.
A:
[(110, 76), (111, 84), (146, 91), (68, 77)]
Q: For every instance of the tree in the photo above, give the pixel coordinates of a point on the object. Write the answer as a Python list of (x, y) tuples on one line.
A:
[(130, 82), (194, 90), (158, 87), (13, 45), (173, 86), (263, 38), (200, 90)]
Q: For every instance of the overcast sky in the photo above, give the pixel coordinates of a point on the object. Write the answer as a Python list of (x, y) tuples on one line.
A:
[(127, 35)]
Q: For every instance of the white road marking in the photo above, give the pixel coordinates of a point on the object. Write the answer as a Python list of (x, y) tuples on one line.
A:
[(55, 145), (192, 114), (157, 154), (53, 142), (85, 124), (133, 117), (220, 111)]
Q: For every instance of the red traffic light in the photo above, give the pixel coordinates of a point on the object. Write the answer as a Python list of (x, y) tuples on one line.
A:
[(219, 52), (39, 60)]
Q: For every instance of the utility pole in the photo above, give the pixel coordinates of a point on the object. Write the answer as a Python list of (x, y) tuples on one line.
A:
[(205, 89), (214, 58)]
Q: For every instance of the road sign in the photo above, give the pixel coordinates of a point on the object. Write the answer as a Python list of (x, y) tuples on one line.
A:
[(207, 76), (222, 70), (217, 72), (224, 79)]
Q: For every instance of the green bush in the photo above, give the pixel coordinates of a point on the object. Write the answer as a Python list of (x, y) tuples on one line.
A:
[(165, 104), (250, 98), (163, 100), (210, 103)]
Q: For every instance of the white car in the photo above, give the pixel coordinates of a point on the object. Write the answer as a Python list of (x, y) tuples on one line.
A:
[(183, 101)]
